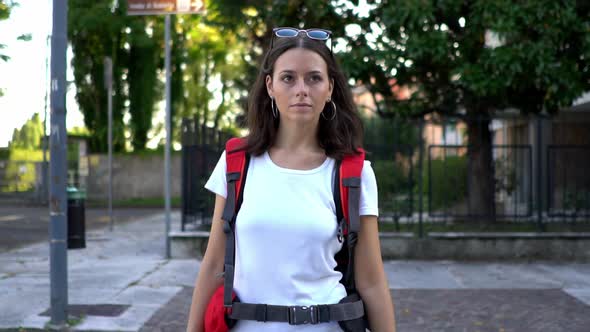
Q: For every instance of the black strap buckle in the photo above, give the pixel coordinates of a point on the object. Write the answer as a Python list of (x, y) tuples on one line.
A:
[(299, 315)]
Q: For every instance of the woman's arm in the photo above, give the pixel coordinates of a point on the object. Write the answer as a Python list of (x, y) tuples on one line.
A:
[(370, 278), (209, 277)]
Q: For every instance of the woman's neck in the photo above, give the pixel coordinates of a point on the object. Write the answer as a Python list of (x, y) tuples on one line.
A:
[(297, 148), (297, 139)]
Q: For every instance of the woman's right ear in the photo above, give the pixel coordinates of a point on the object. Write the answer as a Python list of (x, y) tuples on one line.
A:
[(269, 85)]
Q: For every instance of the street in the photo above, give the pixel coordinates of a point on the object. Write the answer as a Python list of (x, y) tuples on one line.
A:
[(22, 225)]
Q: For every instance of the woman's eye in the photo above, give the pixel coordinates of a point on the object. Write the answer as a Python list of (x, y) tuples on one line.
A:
[(287, 78), (316, 78)]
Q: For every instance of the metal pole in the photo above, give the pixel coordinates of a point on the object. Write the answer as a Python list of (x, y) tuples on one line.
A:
[(44, 141), (112, 220), (539, 190), (108, 64), (420, 179), (168, 135), (58, 169)]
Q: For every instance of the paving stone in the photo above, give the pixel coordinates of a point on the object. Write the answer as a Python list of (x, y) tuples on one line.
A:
[(508, 310), (173, 316)]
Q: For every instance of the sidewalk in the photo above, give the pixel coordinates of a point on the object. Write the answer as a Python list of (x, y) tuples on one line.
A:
[(121, 282)]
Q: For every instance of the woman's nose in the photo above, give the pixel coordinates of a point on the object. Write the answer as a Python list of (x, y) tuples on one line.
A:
[(302, 88)]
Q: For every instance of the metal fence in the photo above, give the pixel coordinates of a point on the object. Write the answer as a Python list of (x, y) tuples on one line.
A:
[(568, 193), (535, 170), (436, 170), (428, 171), (449, 182), (201, 149)]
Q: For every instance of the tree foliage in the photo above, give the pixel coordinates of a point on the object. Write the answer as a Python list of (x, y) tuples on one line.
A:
[(24, 150), (478, 55), (203, 52), (29, 136), (142, 63), (96, 31), (473, 59), (5, 7), (209, 59), (254, 20)]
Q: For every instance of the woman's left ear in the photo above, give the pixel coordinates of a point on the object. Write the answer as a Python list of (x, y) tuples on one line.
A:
[(331, 87), (269, 85)]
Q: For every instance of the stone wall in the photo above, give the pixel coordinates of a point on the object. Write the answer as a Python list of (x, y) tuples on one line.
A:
[(134, 176), (444, 246)]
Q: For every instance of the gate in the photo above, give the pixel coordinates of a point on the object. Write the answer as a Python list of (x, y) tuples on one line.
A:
[(201, 149)]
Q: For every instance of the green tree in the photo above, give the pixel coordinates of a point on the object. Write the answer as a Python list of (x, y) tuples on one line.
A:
[(5, 7), (473, 58), (207, 70), (135, 45), (95, 31), (28, 137), (253, 20), (23, 151), (144, 89)]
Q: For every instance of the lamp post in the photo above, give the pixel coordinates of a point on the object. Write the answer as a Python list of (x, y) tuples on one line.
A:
[(58, 169)]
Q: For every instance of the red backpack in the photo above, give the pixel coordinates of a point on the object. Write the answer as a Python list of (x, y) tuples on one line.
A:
[(225, 308)]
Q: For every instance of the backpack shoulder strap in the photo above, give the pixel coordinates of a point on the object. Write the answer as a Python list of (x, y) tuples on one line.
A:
[(347, 200), (236, 166), (235, 159), (350, 184)]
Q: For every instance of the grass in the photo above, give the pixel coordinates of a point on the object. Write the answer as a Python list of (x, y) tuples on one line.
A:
[(72, 320), (485, 227)]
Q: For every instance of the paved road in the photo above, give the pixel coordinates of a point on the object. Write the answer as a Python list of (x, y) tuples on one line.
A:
[(458, 310), (22, 225), (122, 282)]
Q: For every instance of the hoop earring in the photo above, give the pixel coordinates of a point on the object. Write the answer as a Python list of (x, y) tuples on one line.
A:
[(333, 112), (275, 113)]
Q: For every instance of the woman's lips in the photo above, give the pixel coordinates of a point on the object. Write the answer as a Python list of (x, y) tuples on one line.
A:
[(301, 105)]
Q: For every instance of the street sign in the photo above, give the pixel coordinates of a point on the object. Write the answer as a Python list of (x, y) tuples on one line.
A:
[(159, 7)]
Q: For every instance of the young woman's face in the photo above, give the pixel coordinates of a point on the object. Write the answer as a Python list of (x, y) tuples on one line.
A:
[(300, 85)]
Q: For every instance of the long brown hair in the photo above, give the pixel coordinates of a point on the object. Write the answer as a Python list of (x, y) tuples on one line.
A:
[(338, 137)]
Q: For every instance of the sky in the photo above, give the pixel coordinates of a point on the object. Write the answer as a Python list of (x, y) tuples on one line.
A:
[(23, 78)]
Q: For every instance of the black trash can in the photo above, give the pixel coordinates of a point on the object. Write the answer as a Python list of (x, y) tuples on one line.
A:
[(76, 218)]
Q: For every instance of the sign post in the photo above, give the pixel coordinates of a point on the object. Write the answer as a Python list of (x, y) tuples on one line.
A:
[(166, 7)]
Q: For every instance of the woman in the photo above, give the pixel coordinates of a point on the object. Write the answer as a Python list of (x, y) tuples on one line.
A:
[(301, 119)]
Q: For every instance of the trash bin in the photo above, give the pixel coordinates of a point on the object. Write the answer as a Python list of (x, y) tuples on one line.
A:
[(76, 218)]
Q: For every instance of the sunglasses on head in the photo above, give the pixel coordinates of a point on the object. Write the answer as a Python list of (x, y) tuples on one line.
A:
[(316, 34)]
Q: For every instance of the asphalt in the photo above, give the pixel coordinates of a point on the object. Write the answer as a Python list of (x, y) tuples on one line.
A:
[(21, 225), (122, 282)]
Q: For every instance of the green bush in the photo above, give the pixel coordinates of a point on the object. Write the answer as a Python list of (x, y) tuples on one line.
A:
[(4, 153), (20, 174), (394, 186), (447, 180)]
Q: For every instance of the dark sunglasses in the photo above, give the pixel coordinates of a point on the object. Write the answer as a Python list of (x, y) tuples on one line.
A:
[(316, 34)]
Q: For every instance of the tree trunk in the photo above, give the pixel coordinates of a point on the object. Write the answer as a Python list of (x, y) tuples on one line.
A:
[(480, 181)]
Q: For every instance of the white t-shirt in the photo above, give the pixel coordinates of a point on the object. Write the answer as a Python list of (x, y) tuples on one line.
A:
[(286, 237)]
